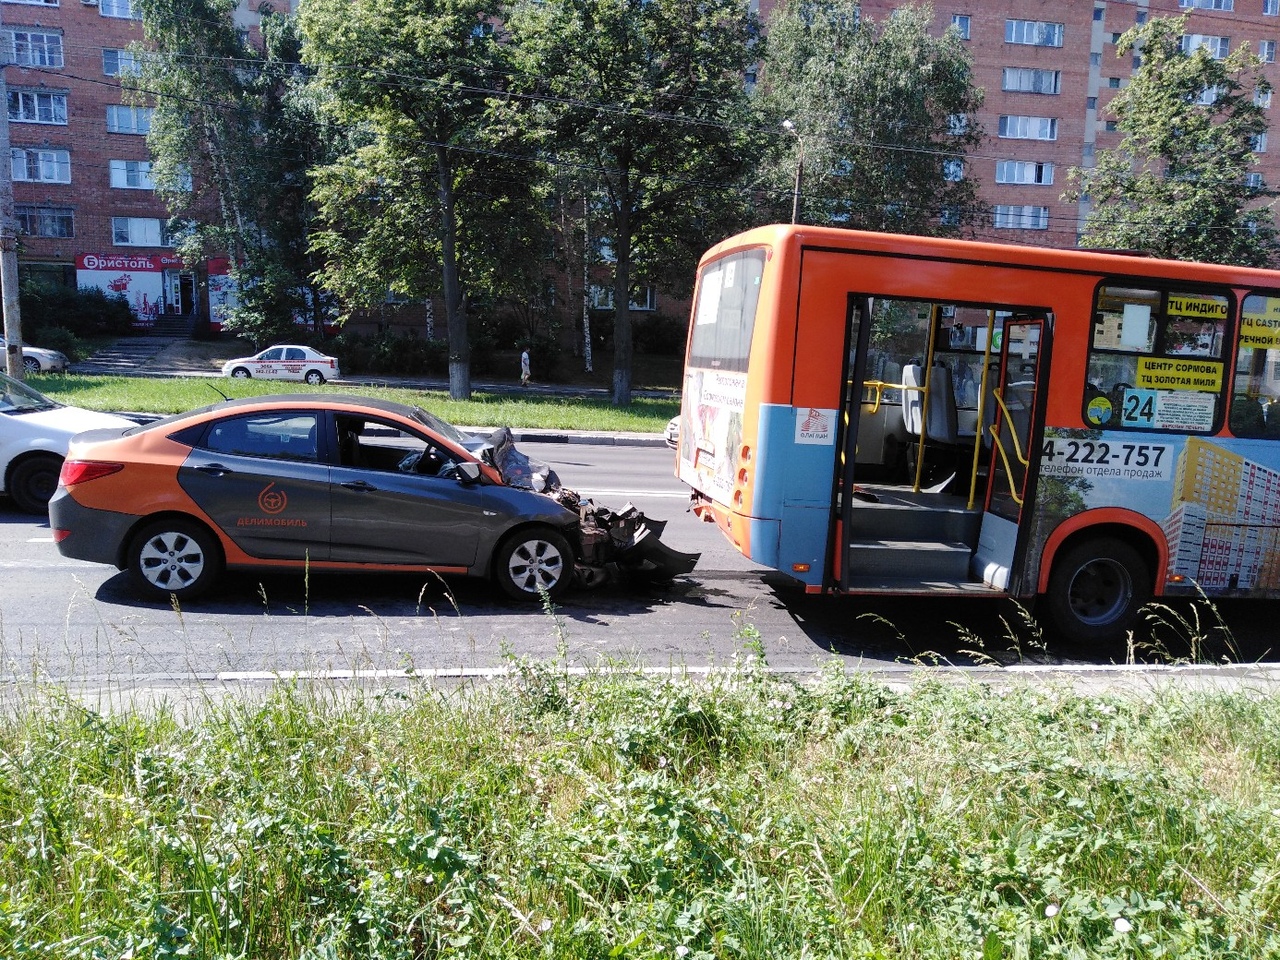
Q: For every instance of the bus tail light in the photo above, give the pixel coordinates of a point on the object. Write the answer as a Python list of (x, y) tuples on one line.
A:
[(800, 568)]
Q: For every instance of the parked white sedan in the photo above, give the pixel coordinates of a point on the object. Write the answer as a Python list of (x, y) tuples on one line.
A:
[(285, 362), (40, 360), (34, 434)]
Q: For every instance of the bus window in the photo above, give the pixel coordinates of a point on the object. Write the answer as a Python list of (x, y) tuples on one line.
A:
[(1155, 359), (728, 293), (1255, 401)]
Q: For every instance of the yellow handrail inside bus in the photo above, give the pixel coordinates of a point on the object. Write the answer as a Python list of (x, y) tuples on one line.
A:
[(1017, 447), (1009, 471)]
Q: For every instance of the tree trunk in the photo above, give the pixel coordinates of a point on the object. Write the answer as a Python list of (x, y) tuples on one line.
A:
[(455, 309), (586, 285), (622, 296)]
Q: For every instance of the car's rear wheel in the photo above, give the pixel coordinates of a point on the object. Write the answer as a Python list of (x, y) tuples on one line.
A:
[(31, 364), (1096, 590), (33, 482), (175, 557), (241, 373), (314, 378), (532, 562)]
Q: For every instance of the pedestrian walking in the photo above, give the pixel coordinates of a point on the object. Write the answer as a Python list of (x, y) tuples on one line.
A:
[(524, 367)]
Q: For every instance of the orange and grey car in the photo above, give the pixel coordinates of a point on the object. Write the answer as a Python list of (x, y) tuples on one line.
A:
[(335, 484)]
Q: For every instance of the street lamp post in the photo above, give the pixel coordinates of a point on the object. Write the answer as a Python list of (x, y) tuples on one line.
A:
[(790, 127)]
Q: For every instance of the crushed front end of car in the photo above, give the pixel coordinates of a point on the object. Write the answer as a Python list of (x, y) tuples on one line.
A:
[(611, 542)]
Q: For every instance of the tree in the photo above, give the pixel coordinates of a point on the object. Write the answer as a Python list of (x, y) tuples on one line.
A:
[(1179, 184), (880, 114), (232, 136), (647, 99), (434, 191)]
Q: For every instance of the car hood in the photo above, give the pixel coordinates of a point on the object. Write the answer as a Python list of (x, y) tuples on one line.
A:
[(68, 421)]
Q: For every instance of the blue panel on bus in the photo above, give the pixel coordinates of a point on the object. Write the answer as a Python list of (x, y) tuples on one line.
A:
[(795, 462)]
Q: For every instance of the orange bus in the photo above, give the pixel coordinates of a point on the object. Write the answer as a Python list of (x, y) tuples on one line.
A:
[(873, 413)]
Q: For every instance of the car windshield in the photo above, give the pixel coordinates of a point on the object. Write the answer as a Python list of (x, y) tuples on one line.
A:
[(17, 397), (444, 428)]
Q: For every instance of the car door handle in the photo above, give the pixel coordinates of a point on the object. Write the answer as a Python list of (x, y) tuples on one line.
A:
[(213, 469), (360, 485)]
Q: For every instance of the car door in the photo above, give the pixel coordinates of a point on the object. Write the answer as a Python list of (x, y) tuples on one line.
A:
[(391, 504), (293, 366), (263, 481), (267, 363)]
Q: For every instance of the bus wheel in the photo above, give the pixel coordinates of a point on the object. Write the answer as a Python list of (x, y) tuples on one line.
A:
[(1096, 590)]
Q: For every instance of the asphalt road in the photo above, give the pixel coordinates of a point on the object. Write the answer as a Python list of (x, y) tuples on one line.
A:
[(68, 620)]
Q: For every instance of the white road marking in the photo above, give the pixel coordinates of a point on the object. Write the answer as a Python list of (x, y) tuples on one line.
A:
[(40, 540), (636, 494)]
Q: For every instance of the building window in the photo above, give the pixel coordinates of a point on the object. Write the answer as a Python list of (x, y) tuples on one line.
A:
[(953, 169), (35, 3), (1030, 80), (1218, 47), (1209, 96), (1271, 8), (35, 49), (1114, 82), (45, 221), (1036, 33), (122, 9), (643, 298), (1115, 38), (1091, 103), (1254, 180), (131, 174), (961, 22), (128, 119), (1099, 13), (1267, 51), (1021, 217), (1260, 143), (1111, 126), (31, 106), (957, 124), (118, 63), (1207, 4), (1262, 98), (1024, 171), (1029, 128), (139, 232), (1140, 17), (41, 166)]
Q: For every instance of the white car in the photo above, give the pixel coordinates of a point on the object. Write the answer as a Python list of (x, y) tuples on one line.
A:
[(40, 360), (285, 362), (34, 434), (672, 433)]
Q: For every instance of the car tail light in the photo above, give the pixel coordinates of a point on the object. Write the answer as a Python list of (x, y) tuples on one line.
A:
[(82, 471)]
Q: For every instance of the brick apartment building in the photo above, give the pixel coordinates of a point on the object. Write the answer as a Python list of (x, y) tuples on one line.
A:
[(85, 207), (1048, 70)]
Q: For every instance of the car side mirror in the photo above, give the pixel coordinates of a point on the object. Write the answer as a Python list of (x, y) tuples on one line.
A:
[(468, 472)]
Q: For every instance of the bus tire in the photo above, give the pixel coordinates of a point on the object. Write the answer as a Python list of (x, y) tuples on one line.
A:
[(1096, 589)]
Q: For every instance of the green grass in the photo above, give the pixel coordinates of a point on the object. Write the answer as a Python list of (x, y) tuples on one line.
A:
[(617, 815), (531, 410)]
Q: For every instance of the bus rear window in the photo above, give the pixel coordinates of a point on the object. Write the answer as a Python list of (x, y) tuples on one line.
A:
[(725, 314)]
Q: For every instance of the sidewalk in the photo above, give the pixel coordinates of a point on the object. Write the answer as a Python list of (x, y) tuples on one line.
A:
[(162, 357)]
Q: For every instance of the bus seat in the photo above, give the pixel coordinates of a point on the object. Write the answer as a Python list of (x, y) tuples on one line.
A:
[(943, 423)]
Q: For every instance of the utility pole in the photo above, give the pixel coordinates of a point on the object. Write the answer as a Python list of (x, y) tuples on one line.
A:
[(8, 233)]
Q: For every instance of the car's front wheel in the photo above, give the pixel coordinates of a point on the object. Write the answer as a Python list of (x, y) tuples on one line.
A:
[(33, 482), (175, 557), (314, 378), (532, 562), (241, 373), (31, 364)]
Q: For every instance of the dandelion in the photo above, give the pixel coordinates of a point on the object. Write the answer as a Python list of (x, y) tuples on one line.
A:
[(1051, 910), (545, 925), (1123, 925), (682, 951)]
